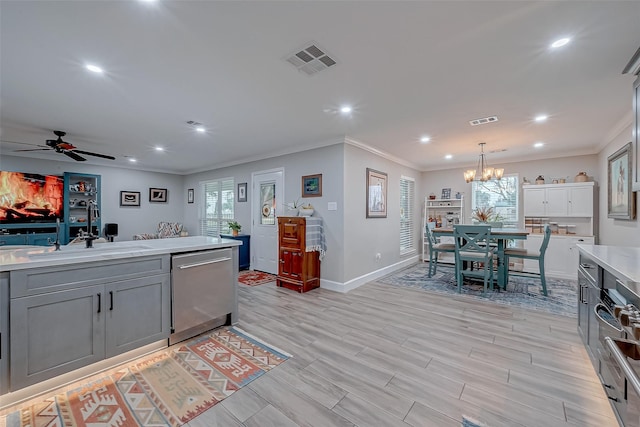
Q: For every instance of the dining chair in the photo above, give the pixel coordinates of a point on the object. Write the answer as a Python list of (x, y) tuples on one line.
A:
[(471, 247), (436, 247), (534, 255)]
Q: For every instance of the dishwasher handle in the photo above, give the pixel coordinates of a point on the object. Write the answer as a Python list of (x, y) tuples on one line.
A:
[(198, 264)]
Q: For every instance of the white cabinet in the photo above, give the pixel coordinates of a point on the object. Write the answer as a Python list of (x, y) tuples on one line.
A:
[(561, 258), (443, 213), (559, 199)]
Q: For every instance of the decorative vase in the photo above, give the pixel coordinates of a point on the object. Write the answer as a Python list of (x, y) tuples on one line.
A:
[(540, 179), (581, 177)]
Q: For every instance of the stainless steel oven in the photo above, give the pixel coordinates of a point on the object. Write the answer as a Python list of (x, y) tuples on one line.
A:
[(623, 360)]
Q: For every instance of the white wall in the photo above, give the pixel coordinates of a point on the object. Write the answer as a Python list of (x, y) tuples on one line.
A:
[(565, 167), (365, 237), (326, 161), (615, 231), (130, 220)]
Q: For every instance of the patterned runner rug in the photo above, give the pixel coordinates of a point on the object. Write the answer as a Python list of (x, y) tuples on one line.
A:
[(255, 278), (524, 292), (169, 388)]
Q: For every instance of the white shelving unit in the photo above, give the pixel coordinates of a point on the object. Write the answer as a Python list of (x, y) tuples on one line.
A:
[(445, 213)]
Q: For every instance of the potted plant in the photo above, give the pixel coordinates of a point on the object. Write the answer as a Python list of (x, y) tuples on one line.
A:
[(235, 227), (485, 215)]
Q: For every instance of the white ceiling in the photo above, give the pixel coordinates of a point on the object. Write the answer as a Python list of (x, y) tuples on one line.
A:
[(407, 68)]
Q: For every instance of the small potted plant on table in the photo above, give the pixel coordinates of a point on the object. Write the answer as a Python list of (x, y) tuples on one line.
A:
[(235, 227)]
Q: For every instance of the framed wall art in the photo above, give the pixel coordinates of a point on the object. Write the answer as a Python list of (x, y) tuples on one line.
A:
[(242, 192), (376, 194), (312, 185), (620, 197), (129, 198), (158, 195), (190, 195)]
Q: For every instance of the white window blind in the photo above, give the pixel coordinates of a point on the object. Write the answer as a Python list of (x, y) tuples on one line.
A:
[(218, 207), (407, 197), (501, 195)]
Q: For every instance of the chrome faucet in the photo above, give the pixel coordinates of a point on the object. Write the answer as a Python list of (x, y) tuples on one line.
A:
[(90, 237)]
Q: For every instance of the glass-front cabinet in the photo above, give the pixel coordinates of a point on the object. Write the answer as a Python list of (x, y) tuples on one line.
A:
[(82, 198)]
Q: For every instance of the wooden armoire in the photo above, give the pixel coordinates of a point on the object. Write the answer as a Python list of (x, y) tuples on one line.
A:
[(298, 269)]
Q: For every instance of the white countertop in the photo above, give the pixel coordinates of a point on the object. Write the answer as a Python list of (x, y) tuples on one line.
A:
[(46, 256), (623, 262)]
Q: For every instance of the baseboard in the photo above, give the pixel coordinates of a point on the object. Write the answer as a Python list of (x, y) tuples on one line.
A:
[(359, 281)]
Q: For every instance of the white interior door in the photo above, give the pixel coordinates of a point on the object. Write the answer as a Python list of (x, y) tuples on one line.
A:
[(266, 205)]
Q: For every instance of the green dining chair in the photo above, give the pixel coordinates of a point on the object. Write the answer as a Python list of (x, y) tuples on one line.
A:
[(436, 247), (534, 255), (471, 247)]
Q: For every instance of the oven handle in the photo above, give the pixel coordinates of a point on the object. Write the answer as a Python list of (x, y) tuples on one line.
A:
[(621, 360), (601, 320)]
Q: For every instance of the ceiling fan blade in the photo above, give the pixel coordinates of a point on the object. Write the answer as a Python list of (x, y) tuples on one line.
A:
[(34, 149), (74, 156), (104, 156)]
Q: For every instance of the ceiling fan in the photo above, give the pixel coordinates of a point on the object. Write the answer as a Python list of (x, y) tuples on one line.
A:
[(68, 149)]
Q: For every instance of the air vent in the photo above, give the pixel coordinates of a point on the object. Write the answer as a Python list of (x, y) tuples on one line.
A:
[(311, 59), (483, 121)]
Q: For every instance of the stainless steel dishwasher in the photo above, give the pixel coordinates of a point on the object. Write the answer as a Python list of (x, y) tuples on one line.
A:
[(203, 292)]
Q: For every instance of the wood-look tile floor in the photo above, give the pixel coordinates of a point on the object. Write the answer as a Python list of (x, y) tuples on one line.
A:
[(389, 356)]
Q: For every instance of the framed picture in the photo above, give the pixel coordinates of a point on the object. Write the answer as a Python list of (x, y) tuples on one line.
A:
[(242, 192), (312, 185), (158, 195), (376, 194), (190, 195), (129, 198), (620, 198), (446, 193)]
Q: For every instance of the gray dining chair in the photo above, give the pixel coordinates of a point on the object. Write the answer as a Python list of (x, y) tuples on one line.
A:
[(435, 248), (472, 248), (534, 255)]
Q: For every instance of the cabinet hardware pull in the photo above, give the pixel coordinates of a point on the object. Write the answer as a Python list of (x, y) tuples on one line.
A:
[(99, 302), (111, 298), (198, 264), (281, 261)]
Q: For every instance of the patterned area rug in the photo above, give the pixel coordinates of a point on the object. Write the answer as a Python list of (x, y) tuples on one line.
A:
[(524, 292), (255, 278), (169, 388)]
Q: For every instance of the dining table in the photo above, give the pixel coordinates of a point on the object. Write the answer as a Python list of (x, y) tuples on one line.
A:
[(501, 236)]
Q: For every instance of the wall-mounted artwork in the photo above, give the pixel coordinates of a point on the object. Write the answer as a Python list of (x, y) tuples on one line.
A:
[(158, 195), (620, 198), (242, 192), (129, 198), (312, 185), (376, 194)]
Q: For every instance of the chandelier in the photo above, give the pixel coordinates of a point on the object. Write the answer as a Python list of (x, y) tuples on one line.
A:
[(483, 171)]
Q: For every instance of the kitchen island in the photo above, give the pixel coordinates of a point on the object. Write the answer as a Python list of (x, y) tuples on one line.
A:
[(71, 313)]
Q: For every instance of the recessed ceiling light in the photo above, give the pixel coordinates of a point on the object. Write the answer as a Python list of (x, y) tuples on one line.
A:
[(158, 148), (94, 68), (132, 160), (425, 139), (448, 157), (538, 144), (200, 129), (560, 42), (345, 110), (541, 118)]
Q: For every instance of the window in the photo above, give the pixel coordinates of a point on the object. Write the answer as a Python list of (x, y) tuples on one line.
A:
[(217, 209), (407, 197), (501, 195)]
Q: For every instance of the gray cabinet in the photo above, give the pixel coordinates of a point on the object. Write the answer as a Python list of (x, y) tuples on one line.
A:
[(54, 333), (64, 318), (138, 312), (4, 332)]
